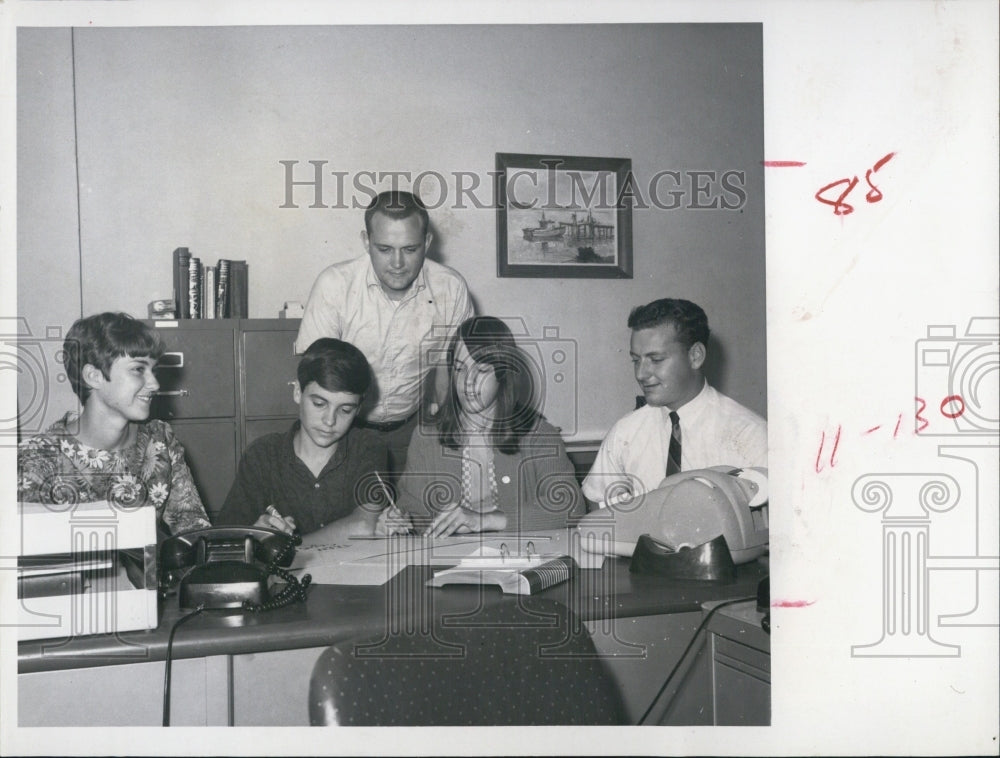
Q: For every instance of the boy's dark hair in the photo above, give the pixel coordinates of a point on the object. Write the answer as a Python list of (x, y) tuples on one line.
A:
[(687, 318), (336, 366), (397, 204), (490, 342), (100, 339)]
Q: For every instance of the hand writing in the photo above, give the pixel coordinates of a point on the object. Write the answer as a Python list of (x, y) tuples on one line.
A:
[(271, 519), (393, 521)]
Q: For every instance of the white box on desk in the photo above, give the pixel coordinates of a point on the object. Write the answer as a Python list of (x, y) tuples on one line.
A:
[(109, 602)]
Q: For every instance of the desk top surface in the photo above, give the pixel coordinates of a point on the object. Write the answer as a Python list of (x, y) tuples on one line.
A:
[(334, 612)]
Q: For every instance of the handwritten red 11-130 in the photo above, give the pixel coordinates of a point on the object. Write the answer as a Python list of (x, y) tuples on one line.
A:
[(842, 208), (952, 407)]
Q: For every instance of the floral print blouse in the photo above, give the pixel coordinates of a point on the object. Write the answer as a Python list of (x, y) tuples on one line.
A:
[(55, 467)]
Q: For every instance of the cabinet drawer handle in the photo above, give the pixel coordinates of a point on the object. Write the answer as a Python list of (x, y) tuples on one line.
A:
[(173, 360), (173, 393)]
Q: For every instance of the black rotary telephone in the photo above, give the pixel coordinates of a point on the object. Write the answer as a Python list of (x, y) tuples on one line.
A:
[(229, 567)]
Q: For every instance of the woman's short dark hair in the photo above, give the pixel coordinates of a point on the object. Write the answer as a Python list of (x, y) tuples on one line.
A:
[(490, 342), (687, 318), (99, 340), (336, 366)]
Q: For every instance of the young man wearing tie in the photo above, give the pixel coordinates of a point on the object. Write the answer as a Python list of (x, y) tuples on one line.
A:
[(686, 423)]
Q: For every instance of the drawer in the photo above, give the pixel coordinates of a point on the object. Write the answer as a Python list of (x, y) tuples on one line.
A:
[(740, 699), (270, 365), (739, 653), (199, 370), (210, 448)]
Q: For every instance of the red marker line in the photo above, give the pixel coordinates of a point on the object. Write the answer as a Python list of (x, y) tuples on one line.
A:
[(882, 161), (791, 603), (782, 164), (874, 428)]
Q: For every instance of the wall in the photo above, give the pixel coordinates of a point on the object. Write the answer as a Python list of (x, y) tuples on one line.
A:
[(180, 132), (48, 238)]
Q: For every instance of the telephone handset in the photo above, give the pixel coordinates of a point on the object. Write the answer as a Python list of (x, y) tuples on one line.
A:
[(229, 567)]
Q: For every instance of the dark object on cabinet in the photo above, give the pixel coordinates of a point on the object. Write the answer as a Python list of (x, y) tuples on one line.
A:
[(223, 383)]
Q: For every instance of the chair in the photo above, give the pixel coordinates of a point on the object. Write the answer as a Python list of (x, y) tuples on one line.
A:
[(521, 661)]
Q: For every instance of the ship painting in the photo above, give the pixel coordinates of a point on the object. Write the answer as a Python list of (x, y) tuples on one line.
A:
[(576, 229), (561, 236), (545, 231)]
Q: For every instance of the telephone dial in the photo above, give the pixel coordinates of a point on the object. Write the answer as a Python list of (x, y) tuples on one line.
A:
[(229, 567)]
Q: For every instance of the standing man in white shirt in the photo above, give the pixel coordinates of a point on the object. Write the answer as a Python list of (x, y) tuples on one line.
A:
[(686, 423), (398, 308)]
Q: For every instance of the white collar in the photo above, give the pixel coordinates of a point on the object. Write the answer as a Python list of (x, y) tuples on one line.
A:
[(694, 407)]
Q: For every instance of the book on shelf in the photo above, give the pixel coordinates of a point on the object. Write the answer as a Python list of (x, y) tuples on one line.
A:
[(515, 576), (203, 291), (194, 287), (238, 276), (182, 259), (208, 293), (222, 289)]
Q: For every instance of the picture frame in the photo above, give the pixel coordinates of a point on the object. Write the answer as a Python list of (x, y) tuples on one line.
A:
[(562, 216)]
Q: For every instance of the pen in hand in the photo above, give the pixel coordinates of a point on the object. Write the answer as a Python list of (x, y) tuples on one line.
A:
[(272, 519), (393, 509)]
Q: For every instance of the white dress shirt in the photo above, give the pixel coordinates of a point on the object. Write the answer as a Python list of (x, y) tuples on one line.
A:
[(401, 339), (715, 431)]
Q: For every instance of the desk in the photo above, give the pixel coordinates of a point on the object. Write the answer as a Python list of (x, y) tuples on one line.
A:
[(243, 669)]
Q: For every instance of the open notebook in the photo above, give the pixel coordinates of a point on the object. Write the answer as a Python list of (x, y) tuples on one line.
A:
[(516, 575)]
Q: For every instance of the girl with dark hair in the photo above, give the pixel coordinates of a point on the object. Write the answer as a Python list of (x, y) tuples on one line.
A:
[(488, 461), (112, 450)]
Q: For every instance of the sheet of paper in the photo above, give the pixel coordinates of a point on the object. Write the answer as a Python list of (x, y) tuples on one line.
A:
[(486, 557), (374, 562)]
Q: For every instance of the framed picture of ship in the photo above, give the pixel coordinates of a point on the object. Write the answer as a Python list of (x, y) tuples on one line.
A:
[(563, 216)]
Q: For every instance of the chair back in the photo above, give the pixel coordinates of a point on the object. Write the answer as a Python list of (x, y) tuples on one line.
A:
[(522, 661)]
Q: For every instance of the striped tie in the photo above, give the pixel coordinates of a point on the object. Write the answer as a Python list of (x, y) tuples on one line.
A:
[(674, 454)]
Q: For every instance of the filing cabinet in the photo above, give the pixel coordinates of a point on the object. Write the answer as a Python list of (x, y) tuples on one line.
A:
[(741, 666), (224, 382)]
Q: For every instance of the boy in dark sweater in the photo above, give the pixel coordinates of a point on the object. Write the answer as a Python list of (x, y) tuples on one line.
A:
[(322, 475)]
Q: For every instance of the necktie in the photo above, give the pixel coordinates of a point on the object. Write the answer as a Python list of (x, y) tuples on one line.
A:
[(674, 454)]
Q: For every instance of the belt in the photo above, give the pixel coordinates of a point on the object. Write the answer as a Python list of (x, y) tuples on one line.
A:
[(384, 426)]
